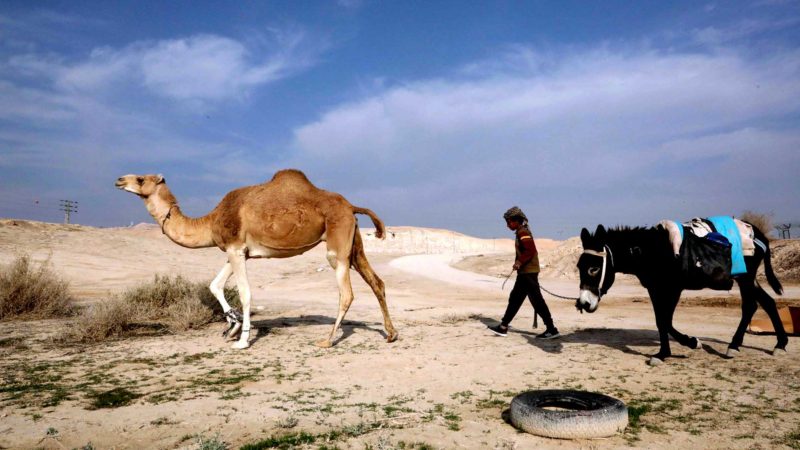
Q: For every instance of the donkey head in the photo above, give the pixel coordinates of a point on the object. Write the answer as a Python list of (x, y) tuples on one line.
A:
[(596, 269)]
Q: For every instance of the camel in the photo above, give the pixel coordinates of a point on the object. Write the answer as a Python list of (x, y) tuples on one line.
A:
[(283, 217)]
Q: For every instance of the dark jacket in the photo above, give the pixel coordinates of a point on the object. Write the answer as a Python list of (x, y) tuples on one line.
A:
[(527, 255)]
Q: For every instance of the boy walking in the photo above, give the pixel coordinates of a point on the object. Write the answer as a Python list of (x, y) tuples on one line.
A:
[(527, 284)]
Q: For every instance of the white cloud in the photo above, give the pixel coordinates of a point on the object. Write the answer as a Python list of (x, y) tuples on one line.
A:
[(60, 112), (611, 124), (205, 68), (746, 28), (594, 106)]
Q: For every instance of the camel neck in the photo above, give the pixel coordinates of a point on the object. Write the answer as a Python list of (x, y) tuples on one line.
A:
[(185, 231)]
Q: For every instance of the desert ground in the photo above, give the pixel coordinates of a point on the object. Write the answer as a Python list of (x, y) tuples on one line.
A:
[(446, 383)]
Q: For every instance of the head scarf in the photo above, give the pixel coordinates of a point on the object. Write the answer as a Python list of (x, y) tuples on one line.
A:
[(515, 213)]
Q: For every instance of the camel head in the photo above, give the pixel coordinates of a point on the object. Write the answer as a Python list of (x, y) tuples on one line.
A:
[(141, 185)]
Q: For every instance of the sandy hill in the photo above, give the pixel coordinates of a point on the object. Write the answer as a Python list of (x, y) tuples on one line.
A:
[(444, 384), (99, 260)]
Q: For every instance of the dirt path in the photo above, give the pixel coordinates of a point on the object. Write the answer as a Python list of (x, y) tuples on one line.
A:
[(440, 268)]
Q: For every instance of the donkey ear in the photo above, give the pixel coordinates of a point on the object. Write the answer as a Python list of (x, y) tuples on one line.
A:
[(585, 236), (600, 233)]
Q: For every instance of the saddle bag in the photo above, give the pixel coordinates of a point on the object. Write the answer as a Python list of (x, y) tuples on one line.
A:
[(706, 262)]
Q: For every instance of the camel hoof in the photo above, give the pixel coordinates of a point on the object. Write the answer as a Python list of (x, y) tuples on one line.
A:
[(732, 353), (392, 337), (239, 345), (325, 343), (779, 352), (655, 361)]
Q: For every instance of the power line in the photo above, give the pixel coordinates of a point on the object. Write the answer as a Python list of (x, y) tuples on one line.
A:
[(68, 206)]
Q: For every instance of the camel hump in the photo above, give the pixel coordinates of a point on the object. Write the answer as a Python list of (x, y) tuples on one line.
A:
[(289, 174)]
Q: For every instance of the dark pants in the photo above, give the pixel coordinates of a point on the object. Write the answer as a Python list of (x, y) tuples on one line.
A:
[(527, 284)]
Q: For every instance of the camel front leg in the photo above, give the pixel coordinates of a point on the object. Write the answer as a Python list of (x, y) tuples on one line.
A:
[(345, 299), (237, 260), (217, 288)]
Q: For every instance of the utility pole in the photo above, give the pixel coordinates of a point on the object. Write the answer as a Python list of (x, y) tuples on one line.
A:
[(784, 230), (68, 206)]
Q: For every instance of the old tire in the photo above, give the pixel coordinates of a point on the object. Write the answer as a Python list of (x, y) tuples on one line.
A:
[(583, 414)]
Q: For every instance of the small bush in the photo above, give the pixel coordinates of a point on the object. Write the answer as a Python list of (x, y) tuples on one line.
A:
[(214, 443), (102, 321), (761, 221), (167, 304), (113, 399), (32, 293)]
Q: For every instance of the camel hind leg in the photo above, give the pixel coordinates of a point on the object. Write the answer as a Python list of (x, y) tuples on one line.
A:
[(340, 245), (360, 263)]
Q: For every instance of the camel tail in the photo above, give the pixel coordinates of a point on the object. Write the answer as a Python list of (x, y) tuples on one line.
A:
[(380, 229), (771, 278)]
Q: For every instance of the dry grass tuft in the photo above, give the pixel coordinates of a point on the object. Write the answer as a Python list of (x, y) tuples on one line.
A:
[(786, 259), (30, 292), (455, 318), (167, 304)]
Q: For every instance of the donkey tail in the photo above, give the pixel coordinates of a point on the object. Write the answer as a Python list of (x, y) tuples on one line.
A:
[(380, 230), (771, 278)]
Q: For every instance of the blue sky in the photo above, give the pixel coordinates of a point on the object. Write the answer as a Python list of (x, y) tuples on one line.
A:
[(439, 114)]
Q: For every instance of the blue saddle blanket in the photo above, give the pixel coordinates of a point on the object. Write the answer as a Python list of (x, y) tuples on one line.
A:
[(727, 227)]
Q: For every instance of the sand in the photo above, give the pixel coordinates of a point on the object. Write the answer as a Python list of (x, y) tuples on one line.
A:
[(445, 383)]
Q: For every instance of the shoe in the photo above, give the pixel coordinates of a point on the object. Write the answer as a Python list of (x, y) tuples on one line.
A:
[(549, 334), (499, 330)]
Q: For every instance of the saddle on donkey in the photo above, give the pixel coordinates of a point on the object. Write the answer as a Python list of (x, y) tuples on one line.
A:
[(711, 251)]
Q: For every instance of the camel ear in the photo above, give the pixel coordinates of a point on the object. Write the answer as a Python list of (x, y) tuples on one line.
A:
[(160, 179)]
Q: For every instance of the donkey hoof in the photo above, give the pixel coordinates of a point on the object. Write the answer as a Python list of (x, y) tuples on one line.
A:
[(240, 345), (697, 344), (732, 353), (655, 361), (325, 343), (779, 352)]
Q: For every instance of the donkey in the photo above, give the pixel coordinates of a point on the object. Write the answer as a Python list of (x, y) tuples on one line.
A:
[(648, 254)]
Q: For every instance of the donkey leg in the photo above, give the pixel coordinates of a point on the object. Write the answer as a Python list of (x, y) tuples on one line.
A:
[(362, 266), (749, 307), (768, 303), (664, 309), (687, 341)]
